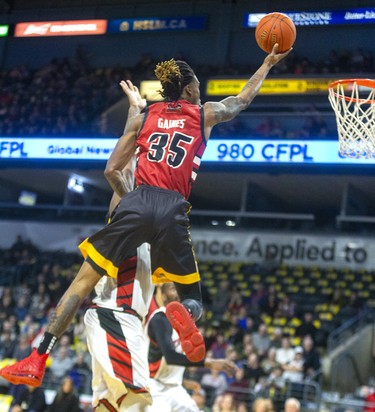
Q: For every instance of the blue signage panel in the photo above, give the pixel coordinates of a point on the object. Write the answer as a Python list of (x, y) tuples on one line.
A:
[(157, 24), (240, 151), (320, 18), (278, 152)]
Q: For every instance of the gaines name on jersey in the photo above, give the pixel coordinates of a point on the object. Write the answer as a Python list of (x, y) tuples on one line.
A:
[(171, 123)]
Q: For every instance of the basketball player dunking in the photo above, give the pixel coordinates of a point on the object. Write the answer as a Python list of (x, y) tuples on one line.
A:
[(169, 141)]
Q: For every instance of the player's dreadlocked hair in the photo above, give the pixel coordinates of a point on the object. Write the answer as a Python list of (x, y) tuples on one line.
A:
[(174, 75)]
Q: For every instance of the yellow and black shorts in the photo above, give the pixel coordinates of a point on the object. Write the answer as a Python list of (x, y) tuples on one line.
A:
[(149, 214)]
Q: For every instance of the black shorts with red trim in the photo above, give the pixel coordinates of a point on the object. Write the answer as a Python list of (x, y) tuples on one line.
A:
[(149, 214)]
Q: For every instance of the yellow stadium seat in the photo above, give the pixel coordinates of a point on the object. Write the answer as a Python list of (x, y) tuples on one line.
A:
[(295, 322), (295, 341), (349, 276), (315, 275), (335, 309), (316, 323), (287, 330), (322, 307), (331, 275), (271, 279), (282, 272), (279, 321), (266, 319), (325, 316), (292, 289)]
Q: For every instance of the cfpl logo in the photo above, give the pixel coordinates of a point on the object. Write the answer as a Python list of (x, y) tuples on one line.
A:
[(12, 149)]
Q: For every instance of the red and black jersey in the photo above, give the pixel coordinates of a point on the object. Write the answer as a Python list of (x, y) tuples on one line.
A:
[(170, 145)]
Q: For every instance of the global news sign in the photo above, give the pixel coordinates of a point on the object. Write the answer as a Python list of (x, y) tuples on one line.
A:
[(320, 18), (228, 151)]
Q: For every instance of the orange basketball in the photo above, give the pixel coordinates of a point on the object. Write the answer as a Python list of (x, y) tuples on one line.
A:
[(275, 28)]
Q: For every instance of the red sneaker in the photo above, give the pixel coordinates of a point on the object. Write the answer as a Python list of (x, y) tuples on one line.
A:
[(191, 339), (28, 371)]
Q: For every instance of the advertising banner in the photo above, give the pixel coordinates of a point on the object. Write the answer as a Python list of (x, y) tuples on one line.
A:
[(56, 149), (323, 251), (219, 245), (157, 24), (320, 18), (60, 28), (235, 151), (229, 87)]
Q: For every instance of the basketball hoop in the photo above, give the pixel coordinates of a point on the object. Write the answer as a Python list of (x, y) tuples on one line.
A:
[(353, 101)]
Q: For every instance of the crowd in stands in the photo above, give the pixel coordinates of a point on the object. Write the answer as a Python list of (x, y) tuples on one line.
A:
[(234, 327), (67, 96)]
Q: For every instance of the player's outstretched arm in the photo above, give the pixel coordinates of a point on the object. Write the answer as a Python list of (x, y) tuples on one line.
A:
[(136, 105), (229, 108), (117, 170)]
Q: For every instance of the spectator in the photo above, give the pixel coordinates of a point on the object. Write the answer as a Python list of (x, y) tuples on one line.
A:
[(224, 403), (292, 405), (236, 301), (215, 381), (263, 405), (79, 330), (285, 354), (7, 345), (253, 371), (80, 372), (276, 379), (271, 306), (29, 399), (270, 362), (257, 300), (261, 340), (276, 338), (65, 399), (62, 363), (219, 347), (200, 399), (22, 348), (311, 357), (39, 303), (287, 307), (239, 388), (219, 306), (293, 371), (307, 327)]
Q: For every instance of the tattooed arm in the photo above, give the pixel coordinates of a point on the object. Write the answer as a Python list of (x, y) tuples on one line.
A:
[(229, 108)]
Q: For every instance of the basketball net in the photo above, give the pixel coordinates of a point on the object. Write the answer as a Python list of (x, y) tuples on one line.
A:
[(355, 116)]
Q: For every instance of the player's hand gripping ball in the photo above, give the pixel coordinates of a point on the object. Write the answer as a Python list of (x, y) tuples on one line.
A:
[(275, 28)]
